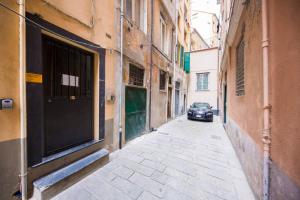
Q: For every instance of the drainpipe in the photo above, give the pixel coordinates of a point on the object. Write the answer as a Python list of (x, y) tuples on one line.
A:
[(22, 68), (266, 134), (151, 63), (121, 72), (174, 60)]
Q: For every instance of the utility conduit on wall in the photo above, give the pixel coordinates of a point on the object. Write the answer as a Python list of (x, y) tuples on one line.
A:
[(266, 133), (22, 84)]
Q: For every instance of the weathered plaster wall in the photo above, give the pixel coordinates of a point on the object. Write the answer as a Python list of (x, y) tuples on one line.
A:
[(197, 41), (285, 84), (159, 97), (160, 62), (251, 102), (136, 51), (245, 113), (9, 88), (159, 9)]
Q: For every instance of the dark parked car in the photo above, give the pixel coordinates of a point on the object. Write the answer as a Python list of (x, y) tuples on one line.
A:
[(200, 111)]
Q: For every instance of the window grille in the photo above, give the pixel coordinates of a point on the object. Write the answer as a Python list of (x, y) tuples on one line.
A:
[(177, 85), (162, 80), (136, 75), (69, 69), (202, 81), (240, 78)]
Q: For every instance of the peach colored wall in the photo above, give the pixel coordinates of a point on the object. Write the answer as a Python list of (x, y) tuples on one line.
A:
[(9, 71), (249, 105), (285, 86), (75, 18), (160, 8), (159, 98), (82, 10)]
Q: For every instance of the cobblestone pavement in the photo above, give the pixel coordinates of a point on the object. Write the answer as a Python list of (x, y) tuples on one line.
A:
[(183, 160)]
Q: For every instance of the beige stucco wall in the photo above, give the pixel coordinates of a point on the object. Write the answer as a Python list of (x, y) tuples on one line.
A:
[(204, 61), (10, 132), (197, 42), (9, 72)]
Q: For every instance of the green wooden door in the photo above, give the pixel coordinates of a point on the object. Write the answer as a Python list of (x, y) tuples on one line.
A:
[(135, 112)]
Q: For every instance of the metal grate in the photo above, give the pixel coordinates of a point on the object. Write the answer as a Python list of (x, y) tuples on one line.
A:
[(69, 71), (177, 85), (240, 78), (136, 75), (162, 80)]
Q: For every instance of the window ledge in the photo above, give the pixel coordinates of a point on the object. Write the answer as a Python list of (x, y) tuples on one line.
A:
[(203, 90)]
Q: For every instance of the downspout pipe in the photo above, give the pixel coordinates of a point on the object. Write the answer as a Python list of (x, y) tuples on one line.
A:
[(151, 63), (266, 133), (22, 83), (121, 72), (174, 59)]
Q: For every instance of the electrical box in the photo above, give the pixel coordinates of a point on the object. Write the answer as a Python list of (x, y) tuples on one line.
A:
[(6, 104)]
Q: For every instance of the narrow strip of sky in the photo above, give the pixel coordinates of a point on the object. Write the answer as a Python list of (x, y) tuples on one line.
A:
[(201, 20)]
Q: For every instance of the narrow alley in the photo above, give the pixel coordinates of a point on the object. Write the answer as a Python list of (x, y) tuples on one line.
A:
[(182, 160)]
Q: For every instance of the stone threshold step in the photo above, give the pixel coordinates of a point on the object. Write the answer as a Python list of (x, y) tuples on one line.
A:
[(54, 183)]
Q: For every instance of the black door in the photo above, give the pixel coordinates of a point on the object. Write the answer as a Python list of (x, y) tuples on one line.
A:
[(68, 93)]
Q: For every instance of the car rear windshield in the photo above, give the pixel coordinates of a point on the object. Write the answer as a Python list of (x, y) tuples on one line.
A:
[(200, 105)]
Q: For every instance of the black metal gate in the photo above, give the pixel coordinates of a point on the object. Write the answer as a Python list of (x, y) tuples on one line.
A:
[(68, 95)]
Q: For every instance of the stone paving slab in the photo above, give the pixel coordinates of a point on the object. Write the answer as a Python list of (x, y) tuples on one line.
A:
[(182, 160)]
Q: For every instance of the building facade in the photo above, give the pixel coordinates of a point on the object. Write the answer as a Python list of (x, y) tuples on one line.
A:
[(181, 60), (257, 90), (204, 77), (61, 68), (197, 42), (56, 73)]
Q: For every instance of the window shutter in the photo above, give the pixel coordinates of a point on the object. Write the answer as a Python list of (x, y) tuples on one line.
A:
[(240, 78), (187, 62)]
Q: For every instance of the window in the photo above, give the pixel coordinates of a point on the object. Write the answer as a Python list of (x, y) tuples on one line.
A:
[(143, 17), (162, 80), (163, 35), (136, 10), (202, 81), (240, 79), (136, 75), (129, 8)]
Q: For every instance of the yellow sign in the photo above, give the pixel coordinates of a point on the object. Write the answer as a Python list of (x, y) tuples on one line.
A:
[(34, 78)]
